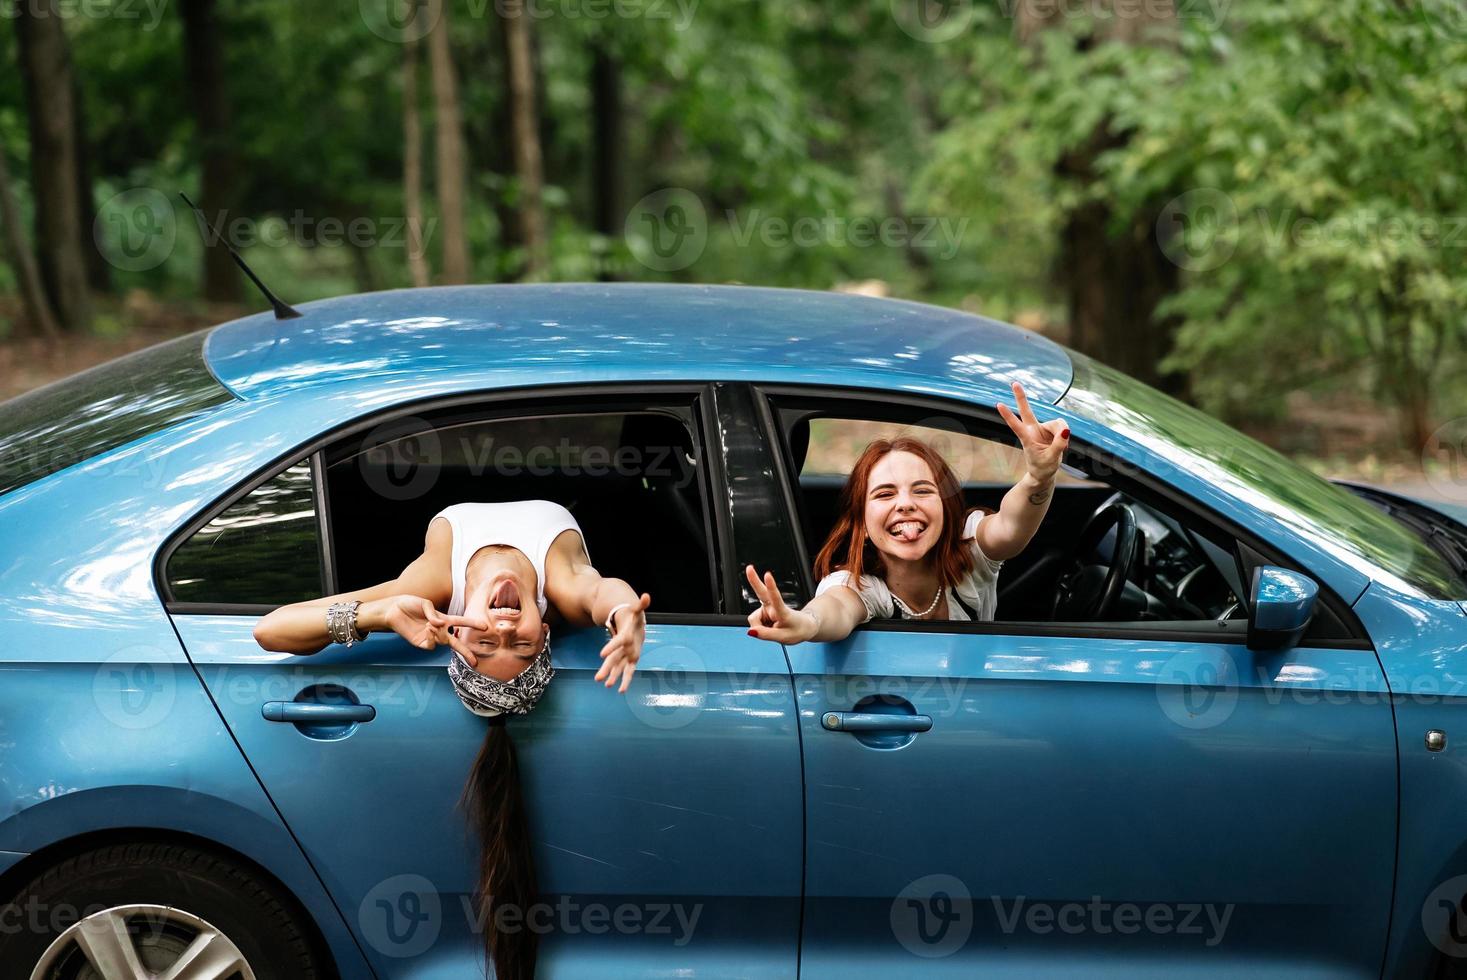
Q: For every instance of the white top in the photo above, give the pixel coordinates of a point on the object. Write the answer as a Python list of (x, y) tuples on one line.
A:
[(979, 589), (529, 526)]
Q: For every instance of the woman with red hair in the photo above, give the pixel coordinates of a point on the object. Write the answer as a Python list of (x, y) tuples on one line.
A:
[(903, 545)]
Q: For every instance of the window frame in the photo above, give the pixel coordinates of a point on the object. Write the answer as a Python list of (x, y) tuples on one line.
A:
[(872, 405), (694, 399)]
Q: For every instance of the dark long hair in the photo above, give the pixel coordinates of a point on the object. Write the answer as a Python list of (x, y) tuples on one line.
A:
[(495, 806), (849, 548)]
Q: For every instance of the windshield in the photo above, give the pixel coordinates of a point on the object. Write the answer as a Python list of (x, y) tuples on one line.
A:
[(1340, 522), (85, 415)]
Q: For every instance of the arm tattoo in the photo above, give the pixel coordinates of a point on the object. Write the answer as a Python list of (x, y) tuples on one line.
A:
[(1040, 496)]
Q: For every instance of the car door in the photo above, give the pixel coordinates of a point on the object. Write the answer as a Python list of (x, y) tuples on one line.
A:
[(666, 821), (1012, 800)]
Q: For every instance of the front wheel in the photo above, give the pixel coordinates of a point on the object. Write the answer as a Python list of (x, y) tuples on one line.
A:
[(138, 911)]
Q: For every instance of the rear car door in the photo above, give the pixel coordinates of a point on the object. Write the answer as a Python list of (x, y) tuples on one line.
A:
[(666, 821)]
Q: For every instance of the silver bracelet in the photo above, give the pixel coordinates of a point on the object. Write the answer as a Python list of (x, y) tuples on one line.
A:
[(341, 623)]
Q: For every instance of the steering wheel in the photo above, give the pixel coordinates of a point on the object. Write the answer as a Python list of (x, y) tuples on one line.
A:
[(1088, 592)]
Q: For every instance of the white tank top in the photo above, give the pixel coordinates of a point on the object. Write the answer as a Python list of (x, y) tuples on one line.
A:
[(529, 526)]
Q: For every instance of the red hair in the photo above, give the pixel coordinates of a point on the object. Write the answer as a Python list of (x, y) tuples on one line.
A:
[(848, 548)]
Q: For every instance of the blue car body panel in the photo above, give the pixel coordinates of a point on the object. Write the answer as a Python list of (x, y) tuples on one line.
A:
[(676, 805), (1284, 809)]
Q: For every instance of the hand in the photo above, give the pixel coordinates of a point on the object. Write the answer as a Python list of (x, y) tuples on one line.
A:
[(1044, 442), (416, 620), (774, 620), (624, 649)]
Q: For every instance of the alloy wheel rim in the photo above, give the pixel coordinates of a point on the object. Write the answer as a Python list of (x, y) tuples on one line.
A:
[(142, 942)]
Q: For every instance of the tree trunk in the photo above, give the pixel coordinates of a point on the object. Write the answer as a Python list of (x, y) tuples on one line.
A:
[(45, 61), (18, 254), (528, 161), (99, 271), (204, 59), (412, 165), (608, 146), (449, 133), (1113, 281)]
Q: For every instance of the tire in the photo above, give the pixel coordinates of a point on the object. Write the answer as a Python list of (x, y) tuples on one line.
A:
[(168, 895)]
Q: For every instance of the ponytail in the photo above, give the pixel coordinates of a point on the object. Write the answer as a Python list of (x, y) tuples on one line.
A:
[(495, 807)]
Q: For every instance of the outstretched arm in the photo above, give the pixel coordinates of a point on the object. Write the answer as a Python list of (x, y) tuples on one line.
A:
[(584, 598), (1008, 532), (407, 605), (827, 618)]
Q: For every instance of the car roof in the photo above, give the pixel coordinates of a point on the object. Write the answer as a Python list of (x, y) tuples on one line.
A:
[(511, 335)]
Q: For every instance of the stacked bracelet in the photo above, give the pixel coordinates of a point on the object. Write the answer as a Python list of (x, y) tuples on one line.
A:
[(341, 623)]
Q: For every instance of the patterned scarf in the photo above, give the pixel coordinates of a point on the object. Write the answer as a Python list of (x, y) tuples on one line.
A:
[(487, 697)]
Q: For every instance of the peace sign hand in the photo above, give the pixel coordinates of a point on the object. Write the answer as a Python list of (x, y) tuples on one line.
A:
[(774, 620), (418, 621), (1044, 442), (624, 649)]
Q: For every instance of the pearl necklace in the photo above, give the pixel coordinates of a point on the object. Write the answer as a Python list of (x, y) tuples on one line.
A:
[(924, 613)]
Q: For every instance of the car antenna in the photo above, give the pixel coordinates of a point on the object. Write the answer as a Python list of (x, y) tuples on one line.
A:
[(283, 310)]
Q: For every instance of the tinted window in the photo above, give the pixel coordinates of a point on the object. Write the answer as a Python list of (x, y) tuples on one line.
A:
[(264, 549), (1341, 523), (633, 481), (71, 421)]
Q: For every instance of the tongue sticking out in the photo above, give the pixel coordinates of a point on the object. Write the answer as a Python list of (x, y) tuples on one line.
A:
[(907, 531), (506, 596)]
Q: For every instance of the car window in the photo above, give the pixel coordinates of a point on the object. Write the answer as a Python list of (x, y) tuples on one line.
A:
[(65, 423), (262, 550), (1340, 522), (1186, 571), (633, 480)]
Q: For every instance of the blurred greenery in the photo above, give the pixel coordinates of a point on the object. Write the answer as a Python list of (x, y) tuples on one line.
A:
[(1304, 158)]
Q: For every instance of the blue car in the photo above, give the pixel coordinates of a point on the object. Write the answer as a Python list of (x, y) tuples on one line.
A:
[(1212, 729)]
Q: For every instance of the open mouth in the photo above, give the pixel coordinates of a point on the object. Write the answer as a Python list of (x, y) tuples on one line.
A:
[(505, 600), (906, 530)]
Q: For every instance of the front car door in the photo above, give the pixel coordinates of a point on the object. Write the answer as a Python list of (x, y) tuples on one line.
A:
[(1022, 799), (666, 821)]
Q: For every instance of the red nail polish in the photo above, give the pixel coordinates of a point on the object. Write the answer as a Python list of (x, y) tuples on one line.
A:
[(753, 633), (1065, 434)]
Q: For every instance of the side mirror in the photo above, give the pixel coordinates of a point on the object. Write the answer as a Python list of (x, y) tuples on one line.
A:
[(1281, 607)]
